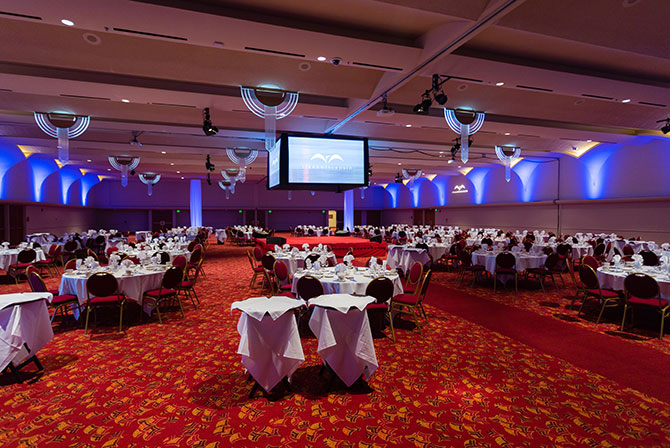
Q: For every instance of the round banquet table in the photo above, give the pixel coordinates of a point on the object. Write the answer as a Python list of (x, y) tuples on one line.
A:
[(141, 235), (173, 253), (578, 250), (403, 257), (613, 278), (132, 286), (9, 257), (295, 262), (355, 283), (523, 260)]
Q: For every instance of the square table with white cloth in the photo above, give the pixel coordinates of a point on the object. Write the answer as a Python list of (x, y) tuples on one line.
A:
[(24, 321), (356, 281), (269, 338), (404, 257), (342, 329)]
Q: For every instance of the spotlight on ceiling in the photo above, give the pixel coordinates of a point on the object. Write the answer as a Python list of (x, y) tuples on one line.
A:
[(385, 110), (135, 141), (208, 128), (666, 127), (398, 178), (424, 106), (440, 97)]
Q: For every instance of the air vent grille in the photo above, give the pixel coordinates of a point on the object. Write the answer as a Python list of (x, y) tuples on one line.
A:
[(174, 105), (283, 53), (539, 89), (600, 97), (652, 104), (145, 33), (23, 16), (465, 79), (383, 67), (85, 97), (380, 122)]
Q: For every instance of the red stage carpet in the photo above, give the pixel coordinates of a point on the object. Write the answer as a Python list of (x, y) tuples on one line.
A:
[(476, 378), (362, 247)]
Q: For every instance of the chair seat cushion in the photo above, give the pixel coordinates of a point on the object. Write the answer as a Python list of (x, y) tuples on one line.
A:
[(409, 289), (105, 300), (47, 261), (538, 271), (20, 265), (160, 292), (258, 269), (376, 306), (407, 299), (57, 300), (505, 271), (606, 293), (647, 302), (186, 284), (286, 287)]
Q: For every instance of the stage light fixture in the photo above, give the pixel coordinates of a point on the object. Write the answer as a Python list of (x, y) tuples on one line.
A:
[(440, 97), (666, 127), (385, 110), (437, 93), (208, 128), (424, 106)]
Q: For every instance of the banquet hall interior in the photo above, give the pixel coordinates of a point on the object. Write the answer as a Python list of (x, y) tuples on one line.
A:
[(351, 223)]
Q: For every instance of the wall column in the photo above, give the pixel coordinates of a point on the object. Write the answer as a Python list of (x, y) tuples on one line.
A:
[(349, 210), (196, 203)]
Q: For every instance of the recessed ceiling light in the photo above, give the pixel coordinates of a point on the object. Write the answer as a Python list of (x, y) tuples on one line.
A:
[(399, 163), (500, 84), (408, 125), (163, 152), (627, 100), (441, 152), (89, 160), (109, 169), (321, 58), (172, 163), (178, 172), (125, 100), (506, 133), (460, 166), (589, 141), (182, 178), (67, 22)]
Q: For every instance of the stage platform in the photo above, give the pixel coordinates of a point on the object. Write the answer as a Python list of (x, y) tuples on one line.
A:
[(362, 247)]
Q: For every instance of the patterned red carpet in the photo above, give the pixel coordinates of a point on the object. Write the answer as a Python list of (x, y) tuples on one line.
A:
[(181, 384)]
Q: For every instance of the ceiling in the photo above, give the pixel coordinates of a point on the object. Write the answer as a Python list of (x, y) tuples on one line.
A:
[(567, 68)]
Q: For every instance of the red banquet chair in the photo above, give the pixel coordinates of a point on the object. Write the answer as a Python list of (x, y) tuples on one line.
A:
[(51, 262), (413, 278), (381, 288), (282, 281), (505, 265), (592, 290), (466, 266), (102, 290), (308, 287), (255, 268), (24, 260), (167, 291), (60, 302), (642, 291), (412, 304)]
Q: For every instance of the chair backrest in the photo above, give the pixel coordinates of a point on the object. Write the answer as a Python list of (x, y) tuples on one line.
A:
[(465, 258), (70, 264), (588, 277), (628, 250), (26, 256), (552, 261), (35, 281), (101, 284), (111, 249), (165, 257), (642, 286), (487, 241), (415, 273), (381, 288), (309, 287), (196, 255), (172, 277), (191, 245), (591, 261), (505, 260), (313, 257), (528, 246), (81, 253), (564, 250), (55, 250), (649, 258), (36, 245), (90, 253), (258, 254), (599, 250), (179, 261), (100, 240), (268, 261), (70, 246), (331, 262), (280, 270), (424, 284)]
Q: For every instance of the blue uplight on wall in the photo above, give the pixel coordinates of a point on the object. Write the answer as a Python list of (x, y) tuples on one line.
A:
[(527, 172), (42, 168), (393, 190), (10, 155), (477, 176), (87, 182), (594, 172), (68, 176)]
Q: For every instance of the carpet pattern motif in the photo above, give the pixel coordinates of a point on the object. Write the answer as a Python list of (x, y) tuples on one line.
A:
[(182, 384)]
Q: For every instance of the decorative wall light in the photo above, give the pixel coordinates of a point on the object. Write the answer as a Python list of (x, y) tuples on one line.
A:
[(228, 187), (234, 175), (271, 105), (507, 154), (242, 156), (124, 164), (411, 175), (149, 179), (63, 127), (464, 123)]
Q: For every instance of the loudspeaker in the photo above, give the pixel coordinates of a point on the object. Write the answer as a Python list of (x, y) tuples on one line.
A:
[(275, 240), (376, 239)]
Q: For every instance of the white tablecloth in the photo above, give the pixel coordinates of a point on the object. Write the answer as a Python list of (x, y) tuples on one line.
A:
[(614, 279), (293, 263), (345, 342), (41, 238), (221, 235), (404, 257), (9, 257), (354, 285), (133, 287), (523, 261), (23, 323), (269, 338), (141, 235)]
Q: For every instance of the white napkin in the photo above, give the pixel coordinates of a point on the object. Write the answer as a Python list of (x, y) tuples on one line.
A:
[(373, 261), (516, 249), (308, 263), (348, 258), (616, 259), (340, 267), (287, 247), (323, 260), (305, 246)]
